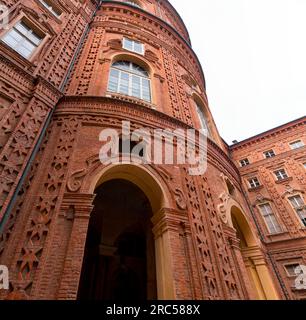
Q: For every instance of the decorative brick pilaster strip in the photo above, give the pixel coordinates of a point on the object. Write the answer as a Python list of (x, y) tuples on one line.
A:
[(33, 247), (76, 208), (19, 147), (235, 249)]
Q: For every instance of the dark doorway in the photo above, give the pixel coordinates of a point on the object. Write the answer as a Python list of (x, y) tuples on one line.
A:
[(119, 261)]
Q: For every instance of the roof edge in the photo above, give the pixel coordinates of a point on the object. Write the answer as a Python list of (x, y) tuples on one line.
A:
[(268, 132)]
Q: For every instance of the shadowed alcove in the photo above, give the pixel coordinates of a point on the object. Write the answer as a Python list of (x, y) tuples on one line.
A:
[(119, 261)]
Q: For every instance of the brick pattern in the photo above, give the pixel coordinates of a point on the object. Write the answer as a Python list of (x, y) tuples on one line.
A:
[(277, 194), (44, 235)]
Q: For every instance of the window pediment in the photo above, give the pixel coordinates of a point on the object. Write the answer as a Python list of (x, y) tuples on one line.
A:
[(35, 20), (291, 191)]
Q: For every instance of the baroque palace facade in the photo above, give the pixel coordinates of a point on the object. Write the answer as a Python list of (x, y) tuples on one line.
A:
[(73, 228)]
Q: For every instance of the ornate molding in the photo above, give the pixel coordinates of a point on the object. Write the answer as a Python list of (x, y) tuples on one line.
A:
[(99, 107), (260, 199), (74, 183), (222, 208), (290, 191)]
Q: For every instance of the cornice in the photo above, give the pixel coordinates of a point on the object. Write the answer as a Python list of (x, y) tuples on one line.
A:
[(166, 3), (47, 92), (269, 134), (170, 6), (21, 64), (99, 106), (15, 74), (162, 24)]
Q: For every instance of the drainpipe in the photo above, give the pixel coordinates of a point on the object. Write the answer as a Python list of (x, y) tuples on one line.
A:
[(45, 127), (274, 267)]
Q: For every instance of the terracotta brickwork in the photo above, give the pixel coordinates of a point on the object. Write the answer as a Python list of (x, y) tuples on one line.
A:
[(209, 242), (287, 246)]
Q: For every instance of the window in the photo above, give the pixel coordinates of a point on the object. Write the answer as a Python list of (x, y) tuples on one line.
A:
[(132, 145), (300, 208), (22, 39), (296, 145), (230, 187), (269, 154), (202, 118), (244, 162), (270, 219), (281, 175), (50, 6), (133, 46), (254, 183), (130, 79), (290, 269), (132, 3)]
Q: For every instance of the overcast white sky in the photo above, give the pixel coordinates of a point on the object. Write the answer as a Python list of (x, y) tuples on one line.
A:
[(253, 53)]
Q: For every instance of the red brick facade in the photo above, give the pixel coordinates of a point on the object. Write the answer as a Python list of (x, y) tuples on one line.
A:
[(287, 246), (208, 238)]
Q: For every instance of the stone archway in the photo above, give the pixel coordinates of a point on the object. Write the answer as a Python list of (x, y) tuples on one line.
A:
[(258, 274), (119, 261), (159, 202)]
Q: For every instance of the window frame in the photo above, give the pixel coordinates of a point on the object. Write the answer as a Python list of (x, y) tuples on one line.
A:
[(50, 8), (125, 39), (251, 180), (291, 144), (289, 265), (244, 162), (130, 82), (202, 117), (264, 215), (296, 209), (269, 154), (22, 17), (281, 174)]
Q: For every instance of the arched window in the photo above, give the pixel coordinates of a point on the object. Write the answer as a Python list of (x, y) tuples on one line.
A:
[(202, 118), (133, 3), (130, 79)]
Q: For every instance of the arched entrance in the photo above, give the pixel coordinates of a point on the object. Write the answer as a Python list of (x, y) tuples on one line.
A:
[(254, 261), (119, 262)]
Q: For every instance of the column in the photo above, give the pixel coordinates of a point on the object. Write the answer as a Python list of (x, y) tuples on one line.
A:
[(265, 278), (173, 272), (248, 289)]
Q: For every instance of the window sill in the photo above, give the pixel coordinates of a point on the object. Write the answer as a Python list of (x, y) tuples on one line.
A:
[(294, 289), (255, 189), (130, 99), (277, 234), (284, 180), (10, 54), (284, 235)]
